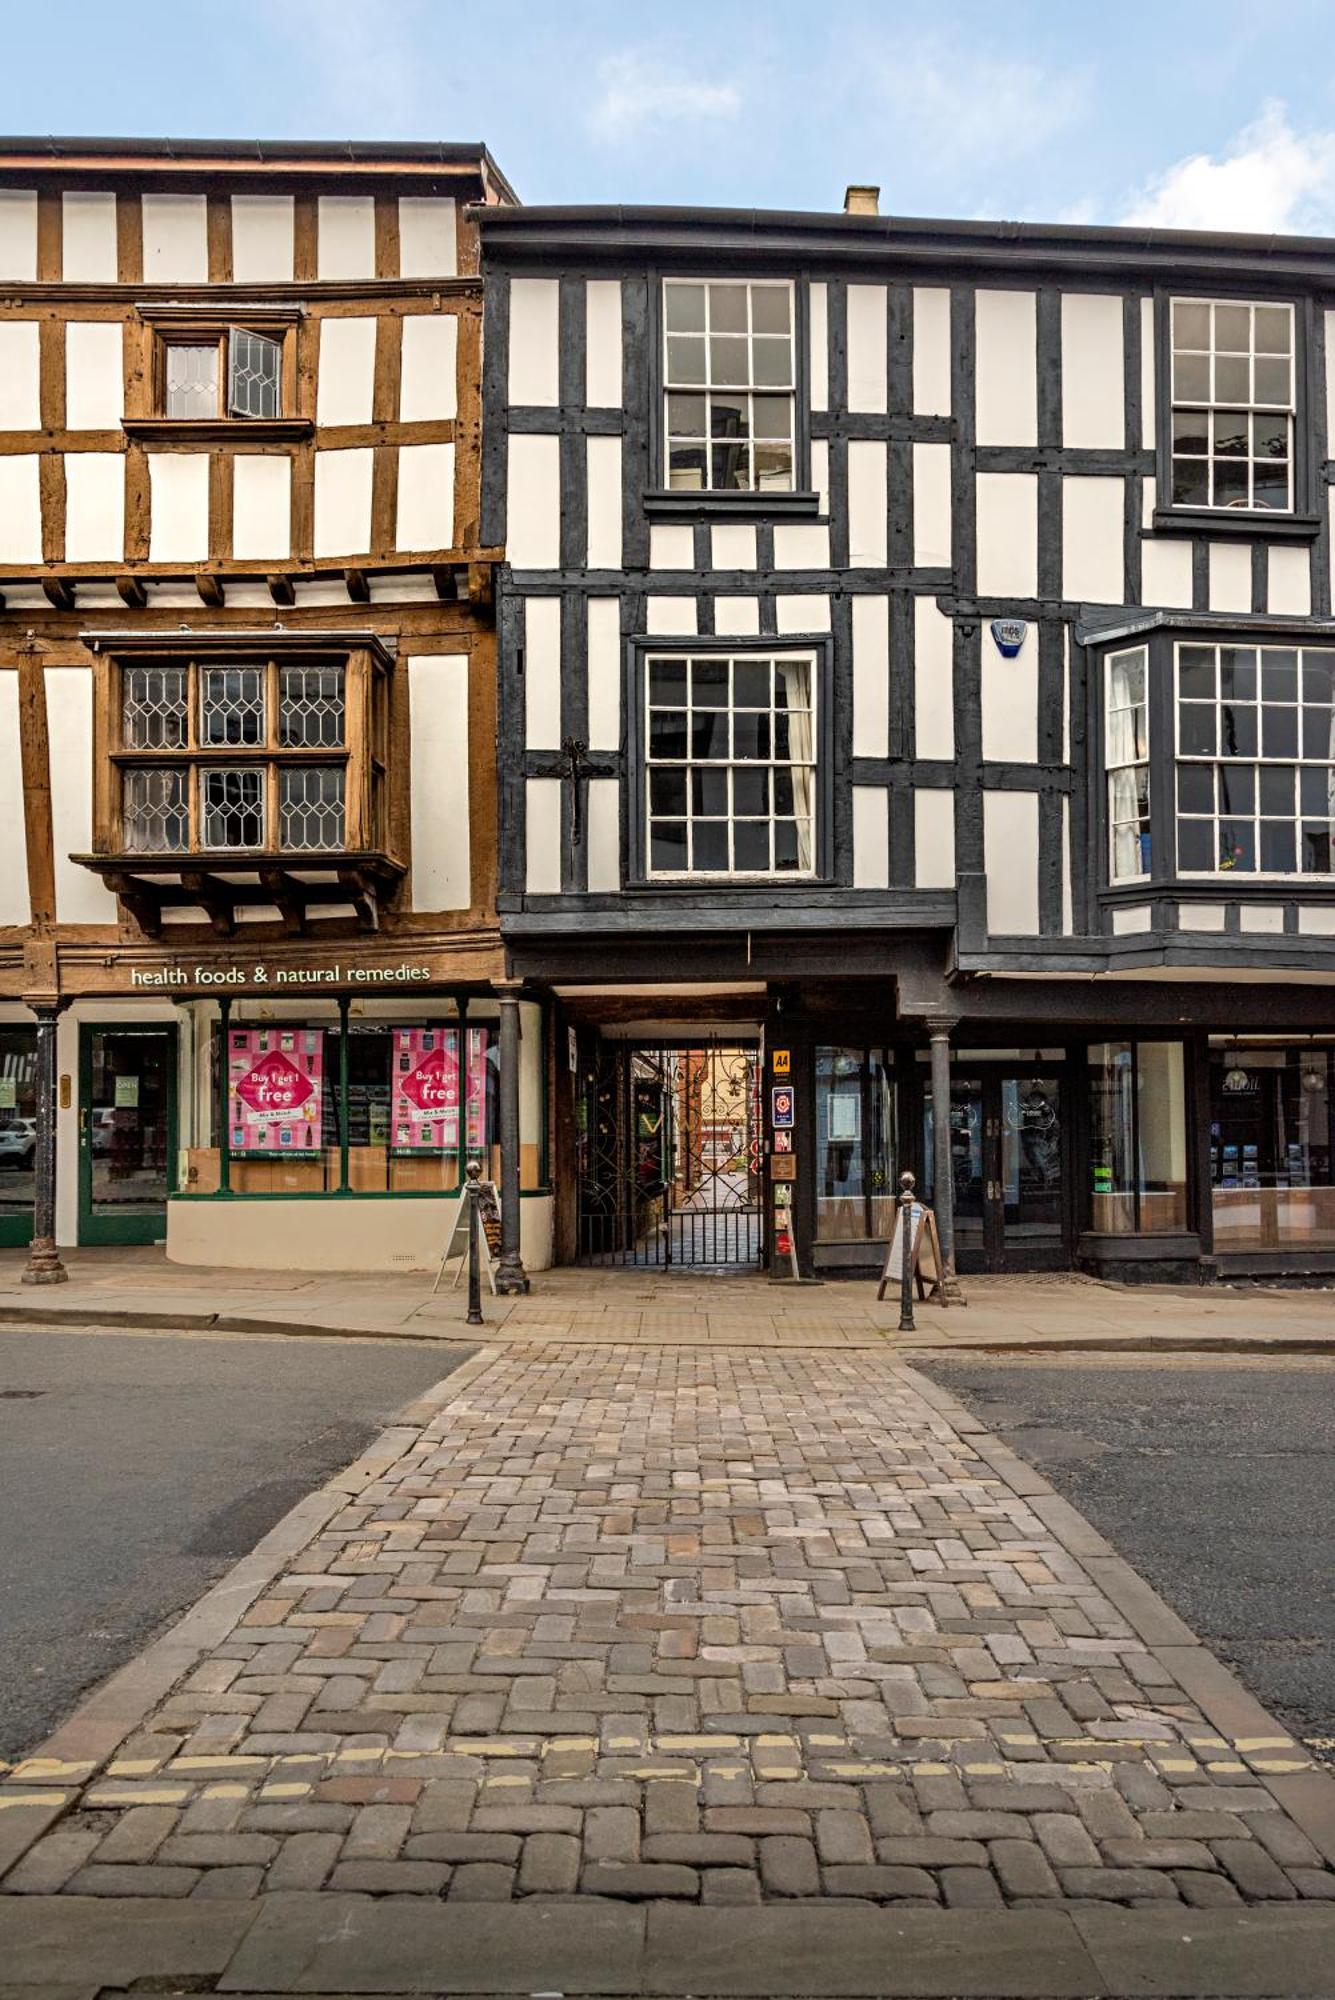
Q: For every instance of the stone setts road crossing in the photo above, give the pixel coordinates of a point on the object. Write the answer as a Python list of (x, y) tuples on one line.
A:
[(728, 1628)]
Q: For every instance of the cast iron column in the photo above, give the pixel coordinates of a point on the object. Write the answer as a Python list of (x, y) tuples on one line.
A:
[(44, 1266), (510, 1275), (943, 1198)]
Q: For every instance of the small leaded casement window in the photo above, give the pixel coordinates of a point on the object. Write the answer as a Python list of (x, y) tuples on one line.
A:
[(730, 765), (232, 372), (729, 386), (252, 756), (1233, 386), (1127, 737)]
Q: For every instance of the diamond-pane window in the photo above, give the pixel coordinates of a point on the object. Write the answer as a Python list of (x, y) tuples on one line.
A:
[(233, 705), (311, 708), (233, 807), (191, 379), (157, 817), (154, 713), (312, 806), (254, 374)]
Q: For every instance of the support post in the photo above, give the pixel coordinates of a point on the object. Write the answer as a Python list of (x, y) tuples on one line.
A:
[(943, 1193), (906, 1324), (44, 1266), (473, 1317), (224, 1075), (344, 1012), (511, 1278)]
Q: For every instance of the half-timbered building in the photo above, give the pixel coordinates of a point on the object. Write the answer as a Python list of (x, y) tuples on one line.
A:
[(248, 942), (917, 711)]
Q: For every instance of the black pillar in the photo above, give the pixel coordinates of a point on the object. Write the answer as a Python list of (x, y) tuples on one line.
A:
[(510, 1274), (943, 1197), (44, 1266)]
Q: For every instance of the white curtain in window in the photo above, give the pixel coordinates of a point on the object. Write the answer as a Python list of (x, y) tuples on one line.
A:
[(793, 687)]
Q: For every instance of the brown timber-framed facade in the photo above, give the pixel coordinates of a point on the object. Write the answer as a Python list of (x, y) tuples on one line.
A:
[(247, 709)]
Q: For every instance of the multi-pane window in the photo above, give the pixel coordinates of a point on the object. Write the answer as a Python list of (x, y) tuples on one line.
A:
[(730, 765), (1233, 404), (1255, 760), (231, 372), (729, 379), (1128, 760), (243, 757)]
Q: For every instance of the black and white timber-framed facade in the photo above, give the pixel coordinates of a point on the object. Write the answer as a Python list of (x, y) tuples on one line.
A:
[(967, 743)]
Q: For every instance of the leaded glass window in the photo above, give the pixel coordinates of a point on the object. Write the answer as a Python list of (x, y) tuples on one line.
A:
[(155, 809), (155, 708), (312, 705), (729, 380), (233, 705), (311, 798), (254, 374), (232, 802), (191, 379)]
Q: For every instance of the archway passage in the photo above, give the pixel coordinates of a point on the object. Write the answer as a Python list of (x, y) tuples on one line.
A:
[(669, 1145)]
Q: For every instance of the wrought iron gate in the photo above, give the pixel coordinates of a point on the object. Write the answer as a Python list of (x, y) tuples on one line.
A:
[(669, 1142)]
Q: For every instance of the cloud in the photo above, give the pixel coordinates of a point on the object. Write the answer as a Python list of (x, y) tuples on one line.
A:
[(1270, 178), (969, 109), (639, 95)]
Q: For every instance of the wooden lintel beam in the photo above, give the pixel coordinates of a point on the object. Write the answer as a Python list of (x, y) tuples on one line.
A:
[(131, 592), (446, 583), (361, 894), (58, 592), (215, 898), (211, 591), (281, 590), (287, 897), (141, 902), (359, 588), (481, 584)]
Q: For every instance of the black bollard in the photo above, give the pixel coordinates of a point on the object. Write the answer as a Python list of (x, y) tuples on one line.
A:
[(474, 1261), (906, 1254)]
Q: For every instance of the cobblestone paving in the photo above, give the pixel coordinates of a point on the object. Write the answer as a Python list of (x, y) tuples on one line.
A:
[(726, 1627)]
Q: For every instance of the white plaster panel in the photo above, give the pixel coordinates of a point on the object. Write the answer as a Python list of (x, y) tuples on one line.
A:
[(868, 524), (20, 405), (94, 375), (80, 895), (542, 836), (672, 545), (533, 538), (178, 484), (1068, 900), (665, 616), (1316, 920), (931, 351), (1008, 697), (425, 515), (737, 617), (88, 238), (867, 353), (871, 837), (14, 904), (1289, 581), (1007, 534), (1093, 561), (604, 688), (733, 545), (428, 237), (1330, 375), (1147, 379), (534, 319), (1131, 921), (604, 835), (820, 472), (802, 545), (263, 239), (343, 502), (542, 673), (1165, 573), (94, 506), (18, 233), (1261, 917), (438, 728), (604, 502), (818, 328), (1007, 366), (802, 614), (933, 680), (931, 506), (176, 242), (933, 838), (1093, 371), (346, 236), (602, 344), (1230, 576), (1201, 916), (429, 373), (871, 676), (261, 506), (346, 384), (1010, 849)]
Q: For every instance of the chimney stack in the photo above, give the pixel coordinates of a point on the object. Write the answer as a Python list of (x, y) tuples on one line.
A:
[(862, 201)]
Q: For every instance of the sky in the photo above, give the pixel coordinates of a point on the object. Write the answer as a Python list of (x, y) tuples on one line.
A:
[(1177, 114)]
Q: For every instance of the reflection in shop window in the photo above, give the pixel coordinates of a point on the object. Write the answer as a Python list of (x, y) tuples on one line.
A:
[(1272, 1181), (1139, 1138), (855, 1123)]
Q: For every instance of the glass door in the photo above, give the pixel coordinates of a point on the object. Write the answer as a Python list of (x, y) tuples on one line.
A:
[(18, 1133), (1006, 1169), (127, 1133)]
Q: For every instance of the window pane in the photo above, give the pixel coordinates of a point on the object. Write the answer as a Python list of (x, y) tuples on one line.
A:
[(233, 806), (1273, 329), (773, 468), (727, 309), (154, 812), (770, 306), (1237, 789), (1232, 383), (1277, 789), (1233, 329), (1238, 732), (667, 791), (1161, 1129), (1230, 434), (709, 683), (684, 306), (1270, 486), (750, 792), (1191, 431), (1237, 674), (1270, 437), (1279, 732), (1127, 679), (730, 468), (312, 806), (709, 733), (750, 735), (1316, 790), (709, 845), (311, 708), (751, 683), (727, 360), (255, 373), (751, 846), (686, 415), (154, 709), (709, 792), (729, 416), (1196, 730), (685, 358), (1191, 378), (1230, 483), (772, 364), (191, 380), (667, 734), (232, 705), (1273, 382), (1195, 788), (687, 465), (1279, 847), (667, 847), (1112, 1148), (1191, 324), (1195, 846), (771, 416), (667, 682), (1317, 848), (1237, 845)]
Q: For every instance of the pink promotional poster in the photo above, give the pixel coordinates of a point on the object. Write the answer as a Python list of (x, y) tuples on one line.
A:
[(475, 1137), (275, 1079), (425, 1110)]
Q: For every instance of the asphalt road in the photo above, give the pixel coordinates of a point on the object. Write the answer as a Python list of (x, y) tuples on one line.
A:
[(1216, 1481), (136, 1469)]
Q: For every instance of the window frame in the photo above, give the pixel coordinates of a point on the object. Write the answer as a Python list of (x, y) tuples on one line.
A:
[(1302, 519), (818, 650), (1113, 654), (168, 326)]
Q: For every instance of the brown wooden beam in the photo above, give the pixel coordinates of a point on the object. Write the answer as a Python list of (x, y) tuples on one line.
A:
[(281, 590), (362, 897), (481, 582), (288, 898), (139, 898), (215, 898), (211, 592), (359, 588), (131, 592), (59, 592)]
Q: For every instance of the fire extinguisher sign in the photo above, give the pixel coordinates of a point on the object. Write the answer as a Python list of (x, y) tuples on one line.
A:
[(781, 1104)]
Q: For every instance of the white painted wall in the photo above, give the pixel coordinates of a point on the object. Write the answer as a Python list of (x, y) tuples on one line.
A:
[(542, 798), (179, 506), (604, 502), (871, 676), (20, 509), (604, 835), (429, 374), (80, 896), (18, 234), (820, 472), (931, 506), (933, 838), (1093, 565), (542, 673), (871, 837), (534, 317), (533, 536), (671, 545), (1165, 572), (323, 1235), (14, 905), (801, 545), (733, 545), (1230, 576), (818, 347), (346, 382), (343, 502), (666, 616), (933, 680), (346, 236), (604, 686), (428, 237), (1010, 848), (1289, 585), (931, 351), (20, 408), (602, 344), (868, 525), (88, 238), (425, 516), (1007, 534), (94, 506), (438, 725), (1008, 698), (176, 240), (737, 617), (1147, 428), (867, 353), (261, 506), (1093, 362), (94, 375), (808, 612), (263, 239), (1007, 366)]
